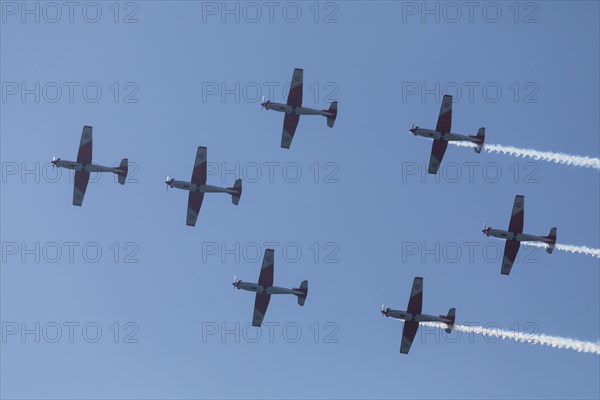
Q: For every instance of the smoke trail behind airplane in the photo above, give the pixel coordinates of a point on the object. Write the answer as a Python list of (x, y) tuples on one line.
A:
[(567, 247), (552, 341), (558, 158)]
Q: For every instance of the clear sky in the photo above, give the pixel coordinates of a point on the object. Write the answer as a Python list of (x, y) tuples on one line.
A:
[(351, 209)]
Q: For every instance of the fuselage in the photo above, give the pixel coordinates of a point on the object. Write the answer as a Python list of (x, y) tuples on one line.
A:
[(194, 187), (296, 110), (85, 167), (447, 137), (519, 237), (399, 314), (255, 287)]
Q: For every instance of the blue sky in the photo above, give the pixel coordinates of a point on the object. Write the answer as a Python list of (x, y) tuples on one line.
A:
[(343, 205)]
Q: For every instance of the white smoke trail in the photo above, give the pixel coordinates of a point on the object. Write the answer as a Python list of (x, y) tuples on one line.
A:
[(559, 158), (568, 247), (552, 341)]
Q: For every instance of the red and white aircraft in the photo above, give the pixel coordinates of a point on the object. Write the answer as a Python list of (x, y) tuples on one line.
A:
[(514, 235), (264, 288), (441, 135), (293, 109), (83, 166), (197, 187), (412, 316)]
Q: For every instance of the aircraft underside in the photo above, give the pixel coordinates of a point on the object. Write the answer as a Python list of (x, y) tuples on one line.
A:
[(520, 237), (296, 110)]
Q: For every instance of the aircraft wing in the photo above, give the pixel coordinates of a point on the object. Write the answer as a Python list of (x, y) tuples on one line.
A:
[(268, 267), (261, 303), (290, 122), (511, 248), (415, 303), (408, 335), (84, 155), (81, 181), (199, 173), (295, 94), (437, 154), (444, 123), (194, 204), (518, 215)]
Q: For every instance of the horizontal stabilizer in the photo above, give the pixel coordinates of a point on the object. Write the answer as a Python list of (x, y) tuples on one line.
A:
[(123, 169), (333, 111), (452, 317), (552, 237), (479, 139), (304, 289), (237, 186)]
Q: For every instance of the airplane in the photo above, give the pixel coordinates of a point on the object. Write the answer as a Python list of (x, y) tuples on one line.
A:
[(441, 135), (412, 316), (83, 166), (514, 235), (264, 288), (197, 187), (293, 109)]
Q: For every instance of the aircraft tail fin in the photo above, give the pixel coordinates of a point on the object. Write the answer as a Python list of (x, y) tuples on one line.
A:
[(452, 317), (552, 237), (237, 186), (333, 111), (304, 289), (480, 139), (122, 171)]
